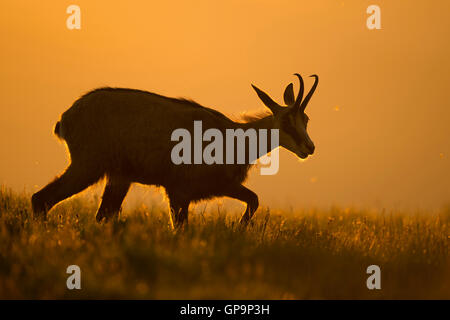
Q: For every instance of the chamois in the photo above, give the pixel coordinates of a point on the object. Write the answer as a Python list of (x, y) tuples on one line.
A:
[(125, 136)]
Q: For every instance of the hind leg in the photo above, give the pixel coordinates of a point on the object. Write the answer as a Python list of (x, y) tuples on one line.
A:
[(178, 211), (115, 192), (74, 180)]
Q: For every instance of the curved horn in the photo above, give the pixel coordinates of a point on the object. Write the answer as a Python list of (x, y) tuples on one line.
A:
[(272, 105), (300, 92), (310, 93), (289, 94)]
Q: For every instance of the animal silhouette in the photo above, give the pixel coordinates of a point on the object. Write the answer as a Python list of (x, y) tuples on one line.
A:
[(125, 136)]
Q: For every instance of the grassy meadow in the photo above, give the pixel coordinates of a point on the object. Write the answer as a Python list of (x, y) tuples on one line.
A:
[(305, 254)]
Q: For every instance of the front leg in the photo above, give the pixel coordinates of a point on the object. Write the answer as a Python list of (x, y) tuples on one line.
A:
[(178, 210), (249, 197), (115, 192)]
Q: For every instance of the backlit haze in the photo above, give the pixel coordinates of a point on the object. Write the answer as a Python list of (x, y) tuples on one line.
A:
[(379, 117)]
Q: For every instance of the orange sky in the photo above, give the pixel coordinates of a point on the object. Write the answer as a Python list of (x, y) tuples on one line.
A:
[(386, 145)]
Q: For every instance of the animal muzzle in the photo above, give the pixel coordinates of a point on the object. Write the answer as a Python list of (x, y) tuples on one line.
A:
[(309, 146)]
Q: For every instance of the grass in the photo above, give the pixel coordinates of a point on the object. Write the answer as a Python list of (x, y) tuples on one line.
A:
[(282, 255)]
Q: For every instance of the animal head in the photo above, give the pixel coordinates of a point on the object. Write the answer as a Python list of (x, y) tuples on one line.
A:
[(291, 119)]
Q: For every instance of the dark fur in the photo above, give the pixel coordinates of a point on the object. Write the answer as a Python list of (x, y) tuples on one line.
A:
[(124, 134)]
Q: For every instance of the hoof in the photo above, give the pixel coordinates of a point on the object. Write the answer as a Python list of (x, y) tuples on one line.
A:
[(179, 225), (100, 218), (245, 222), (39, 208), (103, 217)]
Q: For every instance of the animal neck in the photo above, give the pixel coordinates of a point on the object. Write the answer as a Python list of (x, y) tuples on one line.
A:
[(263, 128), (263, 123)]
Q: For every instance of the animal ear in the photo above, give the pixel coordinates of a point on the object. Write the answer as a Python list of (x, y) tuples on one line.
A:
[(289, 94), (272, 105)]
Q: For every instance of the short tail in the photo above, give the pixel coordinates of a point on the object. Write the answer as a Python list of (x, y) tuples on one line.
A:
[(57, 130)]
